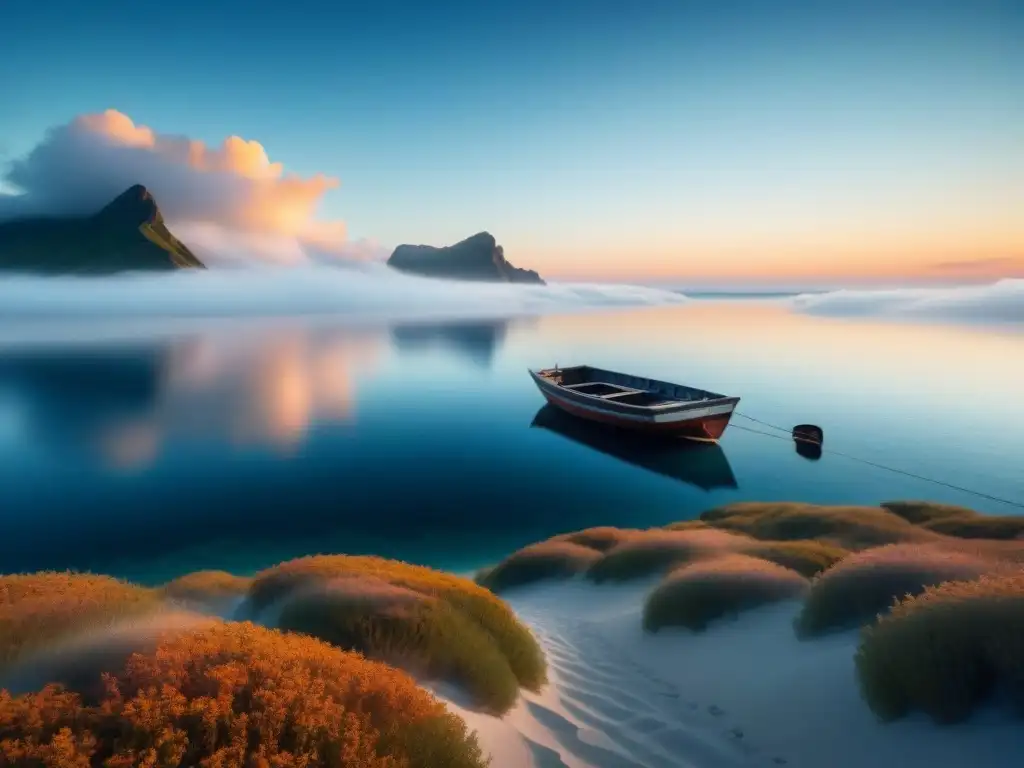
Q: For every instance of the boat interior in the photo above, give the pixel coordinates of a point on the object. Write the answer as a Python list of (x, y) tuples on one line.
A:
[(624, 388)]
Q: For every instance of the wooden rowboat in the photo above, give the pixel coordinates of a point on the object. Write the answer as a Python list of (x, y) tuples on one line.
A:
[(634, 402)]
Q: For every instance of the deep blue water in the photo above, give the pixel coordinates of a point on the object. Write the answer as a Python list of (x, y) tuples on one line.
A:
[(237, 448)]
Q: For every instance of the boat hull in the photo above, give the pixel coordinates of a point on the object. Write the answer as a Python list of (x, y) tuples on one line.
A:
[(699, 423)]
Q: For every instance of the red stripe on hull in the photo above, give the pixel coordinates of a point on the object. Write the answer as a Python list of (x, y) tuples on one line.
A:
[(707, 428)]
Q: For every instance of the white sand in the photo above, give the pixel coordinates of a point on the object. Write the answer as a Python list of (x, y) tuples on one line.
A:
[(744, 693)]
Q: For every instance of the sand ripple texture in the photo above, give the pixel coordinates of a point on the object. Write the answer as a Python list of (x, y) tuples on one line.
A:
[(744, 693)]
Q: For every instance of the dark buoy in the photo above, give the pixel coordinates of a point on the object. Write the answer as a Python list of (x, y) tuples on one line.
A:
[(809, 439)]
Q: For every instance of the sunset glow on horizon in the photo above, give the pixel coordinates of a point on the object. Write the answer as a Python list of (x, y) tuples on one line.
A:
[(675, 143)]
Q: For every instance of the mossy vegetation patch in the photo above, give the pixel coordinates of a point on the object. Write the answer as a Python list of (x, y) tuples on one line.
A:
[(419, 633), (551, 559), (865, 584), (960, 522), (657, 550), (946, 651), (808, 558), (850, 527), (510, 637), (696, 594), (601, 538)]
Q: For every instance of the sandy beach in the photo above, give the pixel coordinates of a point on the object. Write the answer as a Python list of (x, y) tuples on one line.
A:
[(746, 692)]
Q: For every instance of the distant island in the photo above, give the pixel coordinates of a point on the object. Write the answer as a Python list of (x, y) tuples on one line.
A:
[(127, 235), (476, 258)]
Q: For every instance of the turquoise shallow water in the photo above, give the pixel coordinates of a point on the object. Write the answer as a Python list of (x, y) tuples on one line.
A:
[(239, 448)]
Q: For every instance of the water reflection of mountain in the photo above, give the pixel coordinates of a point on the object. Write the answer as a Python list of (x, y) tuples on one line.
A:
[(478, 340), (703, 465), (74, 391)]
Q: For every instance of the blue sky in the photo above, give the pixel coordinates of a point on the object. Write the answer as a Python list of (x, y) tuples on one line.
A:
[(698, 140)]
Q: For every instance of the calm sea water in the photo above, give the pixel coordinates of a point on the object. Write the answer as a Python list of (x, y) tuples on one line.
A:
[(238, 448)]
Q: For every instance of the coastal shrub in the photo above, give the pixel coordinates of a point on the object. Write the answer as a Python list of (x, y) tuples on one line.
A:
[(419, 633), (686, 525), (601, 538), (808, 558), (657, 550), (1005, 551), (37, 609), (859, 587), (946, 650), (80, 660), (551, 559), (698, 593), (480, 605), (206, 587), (980, 527), (956, 521), (235, 694), (848, 527), (920, 512)]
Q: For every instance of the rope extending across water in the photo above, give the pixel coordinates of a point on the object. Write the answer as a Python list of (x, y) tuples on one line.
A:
[(789, 436)]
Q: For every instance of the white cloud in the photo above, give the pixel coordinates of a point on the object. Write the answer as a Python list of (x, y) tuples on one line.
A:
[(221, 198), (1001, 302)]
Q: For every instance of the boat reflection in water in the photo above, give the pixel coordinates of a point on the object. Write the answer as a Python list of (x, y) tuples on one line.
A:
[(700, 464)]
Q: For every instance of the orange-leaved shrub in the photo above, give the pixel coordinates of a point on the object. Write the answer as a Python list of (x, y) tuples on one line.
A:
[(551, 559), (205, 587), (236, 695), (859, 587), (657, 550), (80, 661), (510, 636), (946, 650), (420, 633), (696, 594), (37, 609)]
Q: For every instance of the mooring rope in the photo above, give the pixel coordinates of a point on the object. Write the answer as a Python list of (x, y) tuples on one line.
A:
[(851, 457)]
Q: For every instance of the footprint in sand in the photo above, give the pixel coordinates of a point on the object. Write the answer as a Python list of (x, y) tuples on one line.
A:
[(602, 724)]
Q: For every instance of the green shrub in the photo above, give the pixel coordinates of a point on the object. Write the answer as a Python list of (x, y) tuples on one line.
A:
[(956, 521), (480, 605), (980, 527), (859, 587), (919, 512), (552, 559), (38, 609), (703, 591), (657, 550), (418, 633), (946, 650), (808, 558), (234, 694), (848, 527)]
